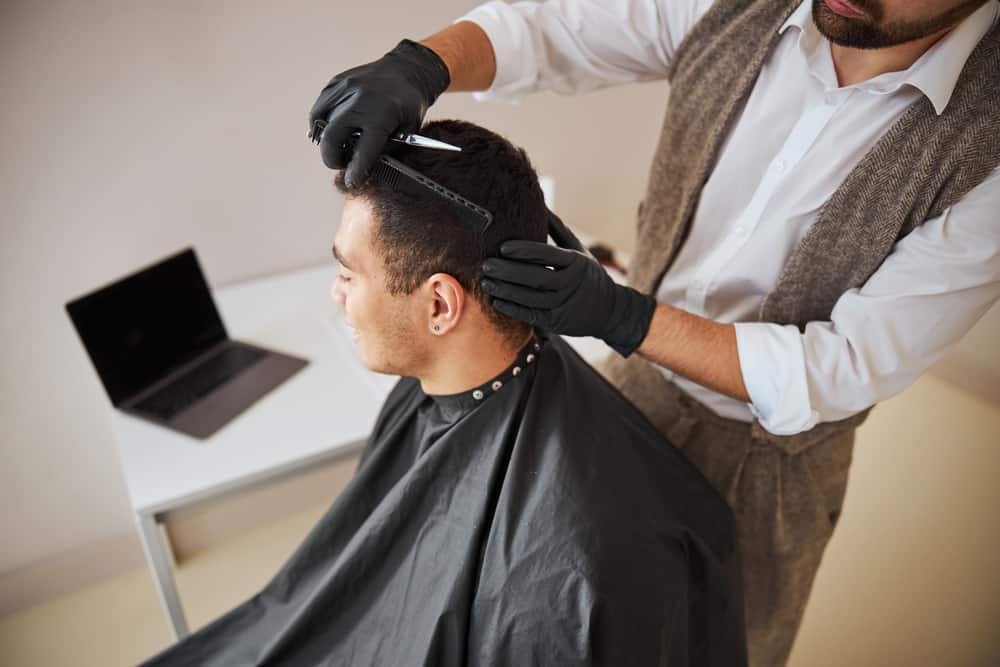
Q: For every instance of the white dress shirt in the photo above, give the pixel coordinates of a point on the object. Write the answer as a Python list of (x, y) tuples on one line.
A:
[(796, 141)]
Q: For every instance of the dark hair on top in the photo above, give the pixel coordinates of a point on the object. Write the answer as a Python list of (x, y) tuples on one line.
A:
[(417, 236)]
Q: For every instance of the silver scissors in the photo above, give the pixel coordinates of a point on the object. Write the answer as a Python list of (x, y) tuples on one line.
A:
[(402, 137), (423, 142)]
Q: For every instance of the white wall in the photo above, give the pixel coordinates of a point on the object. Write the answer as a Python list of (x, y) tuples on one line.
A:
[(131, 129)]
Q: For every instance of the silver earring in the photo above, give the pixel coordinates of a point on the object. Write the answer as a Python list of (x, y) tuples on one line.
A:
[(437, 328)]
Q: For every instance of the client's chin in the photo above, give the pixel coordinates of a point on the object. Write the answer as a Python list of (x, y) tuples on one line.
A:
[(373, 363)]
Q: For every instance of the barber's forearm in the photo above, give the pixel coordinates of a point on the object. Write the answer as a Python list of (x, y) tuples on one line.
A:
[(699, 349), (468, 54)]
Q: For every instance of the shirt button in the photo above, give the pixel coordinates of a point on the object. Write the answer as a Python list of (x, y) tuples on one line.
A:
[(697, 285), (830, 98), (738, 232), (779, 166)]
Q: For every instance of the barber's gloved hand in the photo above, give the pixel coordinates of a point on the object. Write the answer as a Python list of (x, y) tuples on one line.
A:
[(576, 297), (381, 98)]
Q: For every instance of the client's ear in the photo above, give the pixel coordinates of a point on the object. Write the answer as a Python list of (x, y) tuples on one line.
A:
[(447, 303)]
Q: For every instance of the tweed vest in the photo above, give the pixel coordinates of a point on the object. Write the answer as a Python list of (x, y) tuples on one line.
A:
[(920, 166)]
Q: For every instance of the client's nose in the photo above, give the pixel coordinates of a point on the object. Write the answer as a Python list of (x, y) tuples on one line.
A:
[(336, 293)]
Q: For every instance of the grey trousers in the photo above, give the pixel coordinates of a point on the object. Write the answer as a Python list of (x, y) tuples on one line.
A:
[(786, 494)]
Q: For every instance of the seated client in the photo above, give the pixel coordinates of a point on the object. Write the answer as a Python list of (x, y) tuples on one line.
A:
[(510, 507)]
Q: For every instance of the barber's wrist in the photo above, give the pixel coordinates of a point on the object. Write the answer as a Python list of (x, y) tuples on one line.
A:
[(633, 316), (468, 53)]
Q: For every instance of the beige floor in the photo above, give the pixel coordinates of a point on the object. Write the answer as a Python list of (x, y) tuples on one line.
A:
[(119, 621), (911, 577)]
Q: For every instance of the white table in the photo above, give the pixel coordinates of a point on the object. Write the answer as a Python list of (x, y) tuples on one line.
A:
[(322, 413)]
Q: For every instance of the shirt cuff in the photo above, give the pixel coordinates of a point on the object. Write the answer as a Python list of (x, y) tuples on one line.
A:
[(772, 360), (516, 70)]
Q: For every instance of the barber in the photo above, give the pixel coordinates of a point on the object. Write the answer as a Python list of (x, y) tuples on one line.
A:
[(819, 227)]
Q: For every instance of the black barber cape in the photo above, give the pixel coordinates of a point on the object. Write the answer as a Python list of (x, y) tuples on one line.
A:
[(536, 520)]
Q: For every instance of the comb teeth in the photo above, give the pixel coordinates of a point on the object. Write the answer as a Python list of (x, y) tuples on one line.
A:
[(386, 174), (399, 177)]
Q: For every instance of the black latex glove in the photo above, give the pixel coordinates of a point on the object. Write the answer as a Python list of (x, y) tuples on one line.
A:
[(575, 297), (381, 98)]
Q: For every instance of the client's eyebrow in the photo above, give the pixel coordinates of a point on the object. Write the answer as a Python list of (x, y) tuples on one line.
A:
[(340, 258)]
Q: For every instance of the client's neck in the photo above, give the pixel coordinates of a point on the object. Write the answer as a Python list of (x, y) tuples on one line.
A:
[(468, 358)]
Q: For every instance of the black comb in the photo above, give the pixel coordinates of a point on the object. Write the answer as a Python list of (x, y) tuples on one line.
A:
[(401, 178)]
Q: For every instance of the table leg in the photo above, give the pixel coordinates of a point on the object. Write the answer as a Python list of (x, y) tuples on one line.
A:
[(158, 559)]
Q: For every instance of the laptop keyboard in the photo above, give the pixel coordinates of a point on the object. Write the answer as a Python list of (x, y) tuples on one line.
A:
[(199, 381)]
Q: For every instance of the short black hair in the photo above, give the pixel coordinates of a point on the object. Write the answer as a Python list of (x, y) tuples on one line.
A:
[(418, 236)]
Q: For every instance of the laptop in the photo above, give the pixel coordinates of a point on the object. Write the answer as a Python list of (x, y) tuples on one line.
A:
[(162, 352)]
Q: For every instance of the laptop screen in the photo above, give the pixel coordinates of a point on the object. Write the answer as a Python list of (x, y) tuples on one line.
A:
[(141, 327)]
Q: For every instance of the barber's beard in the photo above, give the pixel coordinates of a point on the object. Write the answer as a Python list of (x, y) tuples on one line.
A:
[(872, 33)]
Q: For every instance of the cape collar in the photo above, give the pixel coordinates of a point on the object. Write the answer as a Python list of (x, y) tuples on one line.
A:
[(525, 361)]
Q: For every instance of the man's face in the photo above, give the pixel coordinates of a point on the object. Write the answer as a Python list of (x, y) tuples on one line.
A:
[(876, 24), (386, 332)]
